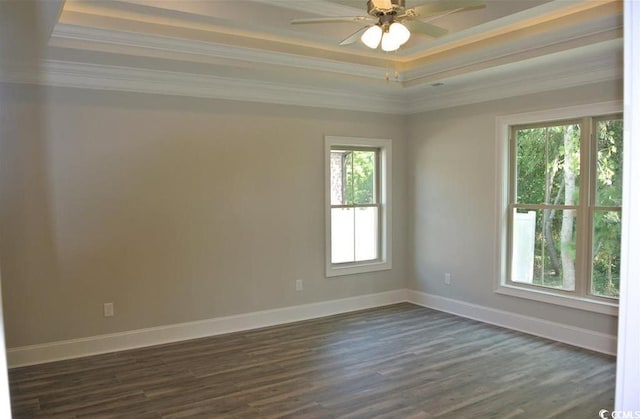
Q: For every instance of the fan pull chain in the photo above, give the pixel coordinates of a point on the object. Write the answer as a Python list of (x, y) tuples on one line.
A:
[(396, 74)]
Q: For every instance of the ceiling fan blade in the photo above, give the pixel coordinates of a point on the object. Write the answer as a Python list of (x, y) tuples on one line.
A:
[(444, 6), (331, 19), (425, 28), (354, 36)]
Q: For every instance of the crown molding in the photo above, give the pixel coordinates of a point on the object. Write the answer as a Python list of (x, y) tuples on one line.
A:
[(317, 7), (605, 30), (527, 78), (555, 9), (557, 71), (177, 48), (141, 80)]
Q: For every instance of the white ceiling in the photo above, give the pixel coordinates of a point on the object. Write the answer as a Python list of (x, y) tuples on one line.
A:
[(248, 50)]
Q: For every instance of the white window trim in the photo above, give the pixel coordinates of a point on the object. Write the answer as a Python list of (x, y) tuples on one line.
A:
[(384, 263), (502, 193)]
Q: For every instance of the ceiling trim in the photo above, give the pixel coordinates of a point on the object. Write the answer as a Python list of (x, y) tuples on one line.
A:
[(532, 76), (129, 79), (603, 30), (556, 75), (532, 17), (64, 34), (317, 7), (141, 14)]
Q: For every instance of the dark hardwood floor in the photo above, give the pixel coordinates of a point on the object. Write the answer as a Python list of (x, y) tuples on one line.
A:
[(394, 362)]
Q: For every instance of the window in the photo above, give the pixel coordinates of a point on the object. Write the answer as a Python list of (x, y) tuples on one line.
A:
[(358, 205), (563, 213)]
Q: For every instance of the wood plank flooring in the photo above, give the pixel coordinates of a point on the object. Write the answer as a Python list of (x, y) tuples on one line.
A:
[(391, 362)]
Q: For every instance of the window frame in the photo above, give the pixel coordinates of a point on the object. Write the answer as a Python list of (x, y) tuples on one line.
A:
[(383, 188), (581, 297), (376, 204)]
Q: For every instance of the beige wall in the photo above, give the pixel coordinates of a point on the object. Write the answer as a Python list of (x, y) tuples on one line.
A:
[(180, 209), (452, 202), (175, 209)]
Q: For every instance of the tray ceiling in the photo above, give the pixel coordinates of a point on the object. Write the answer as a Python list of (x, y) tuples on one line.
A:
[(251, 43)]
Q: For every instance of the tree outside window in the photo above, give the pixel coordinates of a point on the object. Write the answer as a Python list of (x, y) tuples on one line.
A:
[(565, 198)]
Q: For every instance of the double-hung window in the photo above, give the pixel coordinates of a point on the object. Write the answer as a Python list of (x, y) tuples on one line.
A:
[(564, 208), (358, 205)]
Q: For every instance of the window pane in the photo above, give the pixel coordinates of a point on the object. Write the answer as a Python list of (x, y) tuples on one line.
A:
[(366, 233), (609, 164), (543, 248), (363, 177), (523, 251), (340, 165), (342, 235), (354, 234), (353, 177), (548, 165), (605, 277), (530, 165)]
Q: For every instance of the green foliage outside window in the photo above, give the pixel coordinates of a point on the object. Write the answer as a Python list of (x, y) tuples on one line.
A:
[(548, 173), (359, 170), (607, 224)]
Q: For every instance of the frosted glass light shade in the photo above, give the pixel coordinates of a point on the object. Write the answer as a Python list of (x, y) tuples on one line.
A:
[(399, 32), (371, 37), (389, 42)]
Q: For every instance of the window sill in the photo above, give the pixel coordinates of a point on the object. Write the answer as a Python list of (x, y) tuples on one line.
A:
[(357, 268), (581, 303)]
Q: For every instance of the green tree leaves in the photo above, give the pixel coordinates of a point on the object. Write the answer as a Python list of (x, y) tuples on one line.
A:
[(359, 169), (547, 175)]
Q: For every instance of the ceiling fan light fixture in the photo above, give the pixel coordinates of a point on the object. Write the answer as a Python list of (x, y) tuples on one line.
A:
[(399, 32), (395, 20), (389, 42), (371, 37)]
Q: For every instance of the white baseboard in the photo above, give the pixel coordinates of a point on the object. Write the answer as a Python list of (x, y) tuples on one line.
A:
[(575, 336), (75, 348)]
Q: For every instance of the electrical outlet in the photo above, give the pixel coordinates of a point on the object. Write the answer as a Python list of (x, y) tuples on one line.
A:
[(108, 309), (447, 278), (299, 285)]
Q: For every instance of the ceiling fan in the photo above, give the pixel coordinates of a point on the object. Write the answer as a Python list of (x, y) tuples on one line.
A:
[(392, 23)]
